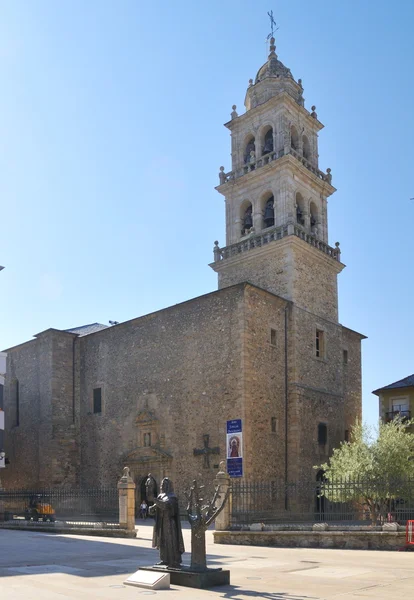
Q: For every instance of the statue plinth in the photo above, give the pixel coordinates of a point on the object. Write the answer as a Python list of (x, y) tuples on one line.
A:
[(196, 579)]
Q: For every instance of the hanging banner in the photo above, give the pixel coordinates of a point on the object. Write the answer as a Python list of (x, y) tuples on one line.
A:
[(234, 447)]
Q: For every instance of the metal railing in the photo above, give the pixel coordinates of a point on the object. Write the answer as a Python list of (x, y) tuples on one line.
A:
[(402, 414), (94, 507), (338, 502)]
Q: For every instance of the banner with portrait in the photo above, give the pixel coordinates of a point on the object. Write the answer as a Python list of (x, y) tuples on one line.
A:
[(234, 448)]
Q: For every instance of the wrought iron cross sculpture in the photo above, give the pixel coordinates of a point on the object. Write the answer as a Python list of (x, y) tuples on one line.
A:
[(272, 25), (206, 451)]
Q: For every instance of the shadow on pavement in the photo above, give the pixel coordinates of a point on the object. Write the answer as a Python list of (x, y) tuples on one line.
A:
[(23, 553), (233, 591)]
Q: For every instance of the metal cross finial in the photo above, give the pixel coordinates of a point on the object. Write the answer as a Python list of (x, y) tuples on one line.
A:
[(272, 25)]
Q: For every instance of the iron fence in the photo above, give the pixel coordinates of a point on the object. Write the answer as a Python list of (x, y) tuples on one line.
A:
[(96, 507), (337, 502)]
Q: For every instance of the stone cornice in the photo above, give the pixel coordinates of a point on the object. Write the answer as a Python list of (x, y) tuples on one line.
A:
[(288, 241), (275, 101), (324, 188)]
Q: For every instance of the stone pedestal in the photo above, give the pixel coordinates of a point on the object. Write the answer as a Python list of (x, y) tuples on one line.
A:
[(196, 579), (223, 518), (126, 490)]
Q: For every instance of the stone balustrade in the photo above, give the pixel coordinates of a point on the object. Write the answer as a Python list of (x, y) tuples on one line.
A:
[(248, 243), (316, 243), (309, 165), (252, 241), (266, 159)]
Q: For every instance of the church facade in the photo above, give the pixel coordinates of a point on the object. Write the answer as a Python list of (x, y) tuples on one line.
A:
[(155, 393)]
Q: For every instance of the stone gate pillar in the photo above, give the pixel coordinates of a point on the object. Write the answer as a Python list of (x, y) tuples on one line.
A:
[(223, 480), (126, 491)]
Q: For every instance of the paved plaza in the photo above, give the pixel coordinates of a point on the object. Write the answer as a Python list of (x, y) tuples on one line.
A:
[(53, 567)]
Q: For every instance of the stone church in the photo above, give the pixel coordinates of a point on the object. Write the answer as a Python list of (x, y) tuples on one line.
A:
[(155, 393)]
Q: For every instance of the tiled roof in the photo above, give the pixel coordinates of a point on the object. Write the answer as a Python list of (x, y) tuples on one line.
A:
[(87, 329), (402, 383)]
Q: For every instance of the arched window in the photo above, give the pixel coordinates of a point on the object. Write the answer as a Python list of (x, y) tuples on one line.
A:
[(306, 148), (322, 434), (268, 141), (269, 213), (250, 151), (294, 138), (313, 218), (247, 219), (300, 205)]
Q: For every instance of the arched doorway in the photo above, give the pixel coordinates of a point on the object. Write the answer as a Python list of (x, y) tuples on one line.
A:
[(141, 493)]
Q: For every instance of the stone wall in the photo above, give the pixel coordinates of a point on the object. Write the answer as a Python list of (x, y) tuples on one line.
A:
[(22, 441), (268, 268), (352, 540), (322, 390), (41, 447), (352, 376), (176, 374), (264, 385), (290, 268)]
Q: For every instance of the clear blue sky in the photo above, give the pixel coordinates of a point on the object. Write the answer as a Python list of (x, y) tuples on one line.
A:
[(111, 137)]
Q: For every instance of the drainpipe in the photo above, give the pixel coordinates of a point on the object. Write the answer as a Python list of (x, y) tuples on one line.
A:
[(286, 406)]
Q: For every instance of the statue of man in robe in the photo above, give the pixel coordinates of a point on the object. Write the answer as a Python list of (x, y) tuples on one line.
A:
[(167, 536), (150, 488)]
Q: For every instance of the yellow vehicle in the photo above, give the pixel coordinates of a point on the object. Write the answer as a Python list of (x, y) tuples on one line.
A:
[(39, 508)]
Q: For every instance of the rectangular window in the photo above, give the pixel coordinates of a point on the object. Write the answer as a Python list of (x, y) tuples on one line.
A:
[(147, 439), (400, 404), (274, 425), (273, 337), (97, 400), (320, 343), (322, 434), (345, 356)]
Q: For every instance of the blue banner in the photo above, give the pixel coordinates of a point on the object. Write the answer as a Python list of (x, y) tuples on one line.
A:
[(234, 448)]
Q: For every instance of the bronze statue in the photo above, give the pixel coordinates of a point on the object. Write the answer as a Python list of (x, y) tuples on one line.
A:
[(167, 536), (200, 517), (150, 486)]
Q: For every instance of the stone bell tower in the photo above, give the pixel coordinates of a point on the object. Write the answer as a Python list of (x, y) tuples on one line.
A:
[(276, 197)]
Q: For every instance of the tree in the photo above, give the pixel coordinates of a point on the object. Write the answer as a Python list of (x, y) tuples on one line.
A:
[(374, 469)]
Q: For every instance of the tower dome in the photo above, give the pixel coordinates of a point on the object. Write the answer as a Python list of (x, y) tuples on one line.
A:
[(272, 67)]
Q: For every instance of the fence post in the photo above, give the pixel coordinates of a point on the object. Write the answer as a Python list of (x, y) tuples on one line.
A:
[(223, 480), (126, 491)]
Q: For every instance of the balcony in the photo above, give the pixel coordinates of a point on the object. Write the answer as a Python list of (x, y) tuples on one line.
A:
[(268, 158), (402, 414), (252, 241)]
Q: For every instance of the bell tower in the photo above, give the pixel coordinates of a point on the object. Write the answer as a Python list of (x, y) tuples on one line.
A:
[(276, 197)]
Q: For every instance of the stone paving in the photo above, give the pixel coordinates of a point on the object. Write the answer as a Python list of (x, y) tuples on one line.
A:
[(51, 567)]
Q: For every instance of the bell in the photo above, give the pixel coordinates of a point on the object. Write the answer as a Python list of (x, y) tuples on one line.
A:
[(248, 221), (268, 147), (269, 216)]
